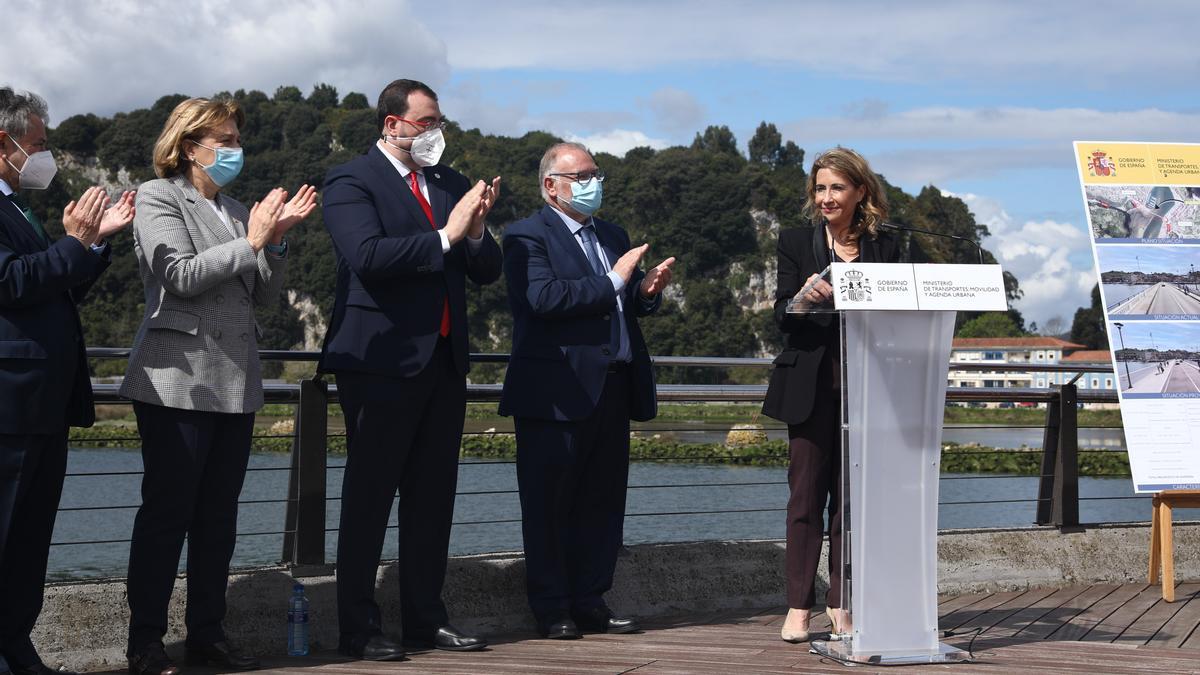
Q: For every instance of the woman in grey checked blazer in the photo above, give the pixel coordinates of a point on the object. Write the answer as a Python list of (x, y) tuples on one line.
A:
[(194, 377)]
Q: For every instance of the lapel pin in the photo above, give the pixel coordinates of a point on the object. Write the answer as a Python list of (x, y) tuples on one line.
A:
[(437, 175)]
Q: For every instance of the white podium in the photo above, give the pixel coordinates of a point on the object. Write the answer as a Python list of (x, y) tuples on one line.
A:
[(897, 325)]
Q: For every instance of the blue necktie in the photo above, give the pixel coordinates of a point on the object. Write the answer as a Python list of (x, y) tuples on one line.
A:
[(593, 253), (588, 234)]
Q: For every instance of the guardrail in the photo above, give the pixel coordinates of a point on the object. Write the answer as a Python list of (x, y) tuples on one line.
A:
[(304, 532)]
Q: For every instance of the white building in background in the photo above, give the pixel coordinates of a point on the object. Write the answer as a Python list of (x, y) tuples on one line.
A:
[(1027, 350)]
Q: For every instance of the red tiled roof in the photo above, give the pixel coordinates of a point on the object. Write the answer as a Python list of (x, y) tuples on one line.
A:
[(1089, 356), (1002, 342)]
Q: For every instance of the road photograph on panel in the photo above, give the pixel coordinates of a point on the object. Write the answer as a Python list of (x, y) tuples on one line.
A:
[(1150, 282), (1158, 359), (1145, 213)]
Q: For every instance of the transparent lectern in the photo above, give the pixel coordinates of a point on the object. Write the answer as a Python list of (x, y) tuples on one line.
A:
[(894, 367)]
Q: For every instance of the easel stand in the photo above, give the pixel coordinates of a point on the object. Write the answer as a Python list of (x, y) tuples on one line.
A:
[(1162, 545)]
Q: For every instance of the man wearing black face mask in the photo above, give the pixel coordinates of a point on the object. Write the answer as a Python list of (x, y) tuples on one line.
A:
[(407, 232), (44, 385)]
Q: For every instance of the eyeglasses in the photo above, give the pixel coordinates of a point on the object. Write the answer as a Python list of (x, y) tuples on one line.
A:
[(581, 177), (425, 126)]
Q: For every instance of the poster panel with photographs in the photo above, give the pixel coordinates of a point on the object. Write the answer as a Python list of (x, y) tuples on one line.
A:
[(1143, 209)]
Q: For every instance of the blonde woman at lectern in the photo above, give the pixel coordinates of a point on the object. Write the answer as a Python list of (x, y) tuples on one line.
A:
[(846, 205)]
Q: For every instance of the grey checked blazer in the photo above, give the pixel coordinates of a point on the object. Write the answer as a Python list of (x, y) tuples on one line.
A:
[(197, 348)]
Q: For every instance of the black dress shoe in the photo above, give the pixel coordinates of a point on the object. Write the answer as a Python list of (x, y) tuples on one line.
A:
[(221, 654), (601, 620), (371, 648), (151, 659), (560, 630), (448, 638)]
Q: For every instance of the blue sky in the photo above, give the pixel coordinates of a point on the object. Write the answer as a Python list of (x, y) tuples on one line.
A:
[(981, 99)]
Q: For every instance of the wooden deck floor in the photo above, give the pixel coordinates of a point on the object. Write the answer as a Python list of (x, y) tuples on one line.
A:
[(1078, 629)]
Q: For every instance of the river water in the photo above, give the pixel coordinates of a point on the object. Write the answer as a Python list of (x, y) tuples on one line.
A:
[(757, 494)]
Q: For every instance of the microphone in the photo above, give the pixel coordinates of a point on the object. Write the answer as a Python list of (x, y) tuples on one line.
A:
[(905, 228)]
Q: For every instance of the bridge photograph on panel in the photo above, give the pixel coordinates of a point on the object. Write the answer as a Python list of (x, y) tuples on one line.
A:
[(1158, 358), (1150, 282)]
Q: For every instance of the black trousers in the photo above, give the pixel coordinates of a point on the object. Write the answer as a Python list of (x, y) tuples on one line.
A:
[(195, 463), (572, 478), (31, 480), (815, 485), (402, 434)]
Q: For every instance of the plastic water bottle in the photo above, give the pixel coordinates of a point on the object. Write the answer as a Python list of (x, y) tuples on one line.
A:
[(298, 622)]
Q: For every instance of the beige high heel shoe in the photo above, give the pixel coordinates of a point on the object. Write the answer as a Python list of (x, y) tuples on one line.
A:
[(840, 630), (790, 634)]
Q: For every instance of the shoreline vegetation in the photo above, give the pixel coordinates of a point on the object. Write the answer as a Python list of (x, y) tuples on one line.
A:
[(747, 444)]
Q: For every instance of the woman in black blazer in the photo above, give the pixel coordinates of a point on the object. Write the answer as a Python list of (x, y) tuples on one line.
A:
[(846, 205)]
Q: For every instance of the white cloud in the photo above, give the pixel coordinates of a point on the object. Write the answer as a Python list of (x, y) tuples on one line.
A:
[(618, 141), (932, 164), (111, 55), (1051, 259), (915, 41), (949, 123)]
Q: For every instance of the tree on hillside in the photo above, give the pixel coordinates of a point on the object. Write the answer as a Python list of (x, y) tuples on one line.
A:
[(717, 139), (694, 202), (1088, 327), (990, 324)]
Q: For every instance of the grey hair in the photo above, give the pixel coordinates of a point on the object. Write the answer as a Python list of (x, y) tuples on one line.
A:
[(16, 109), (546, 166)]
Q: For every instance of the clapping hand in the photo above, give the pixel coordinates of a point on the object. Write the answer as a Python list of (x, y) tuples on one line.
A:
[(81, 218), (486, 201), (118, 216), (264, 216), (295, 210), (657, 279)]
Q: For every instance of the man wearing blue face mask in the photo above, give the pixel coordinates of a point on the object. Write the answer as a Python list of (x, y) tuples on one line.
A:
[(579, 372)]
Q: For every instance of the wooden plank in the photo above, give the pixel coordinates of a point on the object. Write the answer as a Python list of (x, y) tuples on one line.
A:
[(1149, 624), (1022, 619), (1000, 613), (959, 617), (1083, 622), (1182, 625), (1147, 634), (947, 608), (1052, 621), (1112, 626)]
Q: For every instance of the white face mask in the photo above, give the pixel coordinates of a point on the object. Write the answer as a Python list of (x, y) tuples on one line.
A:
[(38, 171), (427, 147)]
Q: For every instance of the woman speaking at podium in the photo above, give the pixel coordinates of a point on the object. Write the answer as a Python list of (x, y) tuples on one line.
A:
[(846, 204)]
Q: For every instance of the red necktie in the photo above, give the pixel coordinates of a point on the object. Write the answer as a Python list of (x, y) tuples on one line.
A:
[(416, 188)]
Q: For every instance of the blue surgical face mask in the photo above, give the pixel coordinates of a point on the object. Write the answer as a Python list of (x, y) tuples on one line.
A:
[(226, 165), (586, 197)]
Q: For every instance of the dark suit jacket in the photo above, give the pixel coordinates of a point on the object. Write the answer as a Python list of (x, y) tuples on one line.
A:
[(561, 331), (44, 384), (392, 277), (802, 252)]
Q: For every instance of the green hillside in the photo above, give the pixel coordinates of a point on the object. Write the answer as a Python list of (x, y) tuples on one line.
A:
[(715, 209)]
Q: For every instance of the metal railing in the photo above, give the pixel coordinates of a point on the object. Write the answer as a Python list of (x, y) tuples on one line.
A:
[(307, 502)]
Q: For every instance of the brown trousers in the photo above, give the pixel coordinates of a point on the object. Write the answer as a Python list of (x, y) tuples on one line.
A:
[(815, 481)]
